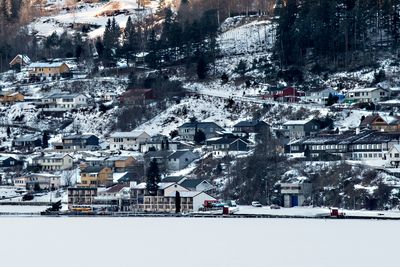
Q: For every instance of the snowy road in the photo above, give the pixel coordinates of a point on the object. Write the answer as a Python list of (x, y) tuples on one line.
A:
[(167, 242)]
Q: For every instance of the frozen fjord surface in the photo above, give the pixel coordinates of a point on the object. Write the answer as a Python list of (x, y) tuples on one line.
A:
[(123, 242)]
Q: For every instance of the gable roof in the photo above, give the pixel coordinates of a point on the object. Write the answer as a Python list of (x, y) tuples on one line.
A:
[(78, 136), (200, 125), (395, 147), (188, 194), (47, 64), (370, 89), (158, 154), (173, 179), (251, 123), (93, 169), (28, 138), (2, 158), (226, 140), (131, 134), (55, 156), (179, 153), (192, 183), (298, 122), (114, 189), (389, 120), (24, 59), (64, 95)]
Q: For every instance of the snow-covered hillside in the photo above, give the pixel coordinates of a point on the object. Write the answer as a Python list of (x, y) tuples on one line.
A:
[(95, 15)]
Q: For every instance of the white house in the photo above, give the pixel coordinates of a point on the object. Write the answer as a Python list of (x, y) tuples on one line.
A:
[(54, 162), (165, 199), (373, 94), (65, 101), (180, 159), (191, 201), (199, 185), (44, 180), (320, 97), (393, 156), (128, 140)]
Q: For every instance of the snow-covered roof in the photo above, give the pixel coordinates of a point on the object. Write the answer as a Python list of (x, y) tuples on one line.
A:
[(140, 186), (370, 89), (63, 95), (28, 138), (185, 194), (296, 122), (162, 185), (24, 58), (395, 147), (2, 158), (55, 156), (179, 153), (47, 64), (131, 134)]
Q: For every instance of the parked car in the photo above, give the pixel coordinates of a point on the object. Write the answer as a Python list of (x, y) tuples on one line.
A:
[(256, 204), (275, 207)]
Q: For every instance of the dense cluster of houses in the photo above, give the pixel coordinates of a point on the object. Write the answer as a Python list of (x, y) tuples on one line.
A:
[(375, 143), (111, 170), (111, 176), (356, 95)]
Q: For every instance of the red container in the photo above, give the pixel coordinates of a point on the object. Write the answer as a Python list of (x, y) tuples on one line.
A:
[(225, 211)]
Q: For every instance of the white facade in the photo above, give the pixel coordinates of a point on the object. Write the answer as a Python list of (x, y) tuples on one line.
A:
[(66, 101), (55, 162), (320, 97), (45, 181), (368, 94), (128, 140), (145, 147), (393, 156)]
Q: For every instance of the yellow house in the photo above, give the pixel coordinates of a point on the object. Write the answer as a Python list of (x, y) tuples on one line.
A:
[(48, 69), (11, 97), (93, 176), (120, 162)]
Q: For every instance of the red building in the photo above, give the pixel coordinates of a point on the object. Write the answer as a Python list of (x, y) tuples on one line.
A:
[(289, 95)]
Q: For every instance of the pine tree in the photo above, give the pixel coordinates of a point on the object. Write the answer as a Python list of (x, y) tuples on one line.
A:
[(45, 139), (153, 58), (201, 68), (166, 144), (177, 202), (199, 137), (108, 43), (241, 68), (115, 34), (153, 177)]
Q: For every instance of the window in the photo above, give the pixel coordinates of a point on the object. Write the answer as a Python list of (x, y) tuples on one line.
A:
[(396, 155)]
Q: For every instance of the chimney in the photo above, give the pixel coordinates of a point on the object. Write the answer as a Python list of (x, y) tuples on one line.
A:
[(357, 130)]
